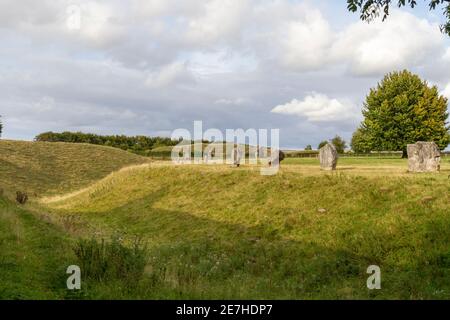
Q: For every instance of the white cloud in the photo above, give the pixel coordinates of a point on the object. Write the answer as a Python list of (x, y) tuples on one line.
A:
[(174, 73), (45, 104), (446, 56), (295, 35), (446, 91), (317, 108), (401, 41), (219, 19), (101, 23), (150, 9), (221, 61), (235, 102), (305, 42), (302, 39)]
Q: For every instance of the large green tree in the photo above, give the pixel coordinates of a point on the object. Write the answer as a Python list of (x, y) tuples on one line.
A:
[(360, 143), (402, 109), (370, 9)]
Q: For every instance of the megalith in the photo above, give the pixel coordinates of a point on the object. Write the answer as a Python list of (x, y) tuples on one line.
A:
[(328, 156), (424, 157), (237, 156)]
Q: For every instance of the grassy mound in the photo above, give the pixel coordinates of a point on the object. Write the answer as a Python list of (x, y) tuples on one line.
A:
[(218, 232), (41, 168)]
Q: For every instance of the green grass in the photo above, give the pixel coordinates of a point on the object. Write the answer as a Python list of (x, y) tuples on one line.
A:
[(163, 149), (225, 233), (363, 161), (44, 168), (215, 232), (33, 255)]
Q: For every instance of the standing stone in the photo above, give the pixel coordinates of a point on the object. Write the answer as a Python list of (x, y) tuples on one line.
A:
[(328, 157), (237, 156), (276, 156), (424, 157)]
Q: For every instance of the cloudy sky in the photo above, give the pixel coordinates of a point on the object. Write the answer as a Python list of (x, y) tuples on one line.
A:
[(149, 67)]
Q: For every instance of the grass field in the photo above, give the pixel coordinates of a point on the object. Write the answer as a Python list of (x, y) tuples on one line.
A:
[(44, 168), (221, 232)]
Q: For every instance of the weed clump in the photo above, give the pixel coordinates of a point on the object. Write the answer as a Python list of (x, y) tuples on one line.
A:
[(109, 261), (21, 197)]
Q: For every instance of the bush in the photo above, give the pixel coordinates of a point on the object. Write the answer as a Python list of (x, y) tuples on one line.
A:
[(101, 260), (21, 197)]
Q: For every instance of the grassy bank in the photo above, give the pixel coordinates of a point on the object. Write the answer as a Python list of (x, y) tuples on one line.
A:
[(221, 232), (42, 168), (217, 232)]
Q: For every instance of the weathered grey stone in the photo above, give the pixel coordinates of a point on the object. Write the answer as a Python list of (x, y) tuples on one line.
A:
[(328, 157), (237, 156), (276, 156), (424, 157)]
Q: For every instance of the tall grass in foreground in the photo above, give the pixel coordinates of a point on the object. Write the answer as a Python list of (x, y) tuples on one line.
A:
[(100, 260)]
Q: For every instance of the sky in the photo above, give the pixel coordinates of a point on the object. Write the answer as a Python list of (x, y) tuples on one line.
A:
[(148, 67)]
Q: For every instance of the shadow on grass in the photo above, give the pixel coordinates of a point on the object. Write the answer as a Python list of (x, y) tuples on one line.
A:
[(345, 168), (192, 257)]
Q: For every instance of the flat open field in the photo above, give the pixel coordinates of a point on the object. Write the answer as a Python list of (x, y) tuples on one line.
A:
[(361, 166), (218, 232)]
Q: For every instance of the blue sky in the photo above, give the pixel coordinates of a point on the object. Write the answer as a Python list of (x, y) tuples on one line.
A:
[(150, 67)]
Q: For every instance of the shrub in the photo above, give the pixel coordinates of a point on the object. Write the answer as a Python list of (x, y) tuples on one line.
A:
[(339, 143), (101, 260), (21, 197)]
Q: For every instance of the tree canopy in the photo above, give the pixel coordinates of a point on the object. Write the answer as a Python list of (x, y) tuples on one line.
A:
[(402, 109), (370, 9), (322, 144), (339, 143)]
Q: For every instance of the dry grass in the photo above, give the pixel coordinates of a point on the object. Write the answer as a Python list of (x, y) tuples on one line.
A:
[(41, 168)]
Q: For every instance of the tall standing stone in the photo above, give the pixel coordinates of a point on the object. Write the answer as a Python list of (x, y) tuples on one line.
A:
[(276, 156), (237, 156), (328, 156), (424, 157)]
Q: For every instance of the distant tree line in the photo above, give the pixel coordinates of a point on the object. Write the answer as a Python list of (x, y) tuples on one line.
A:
[(136, 144)]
